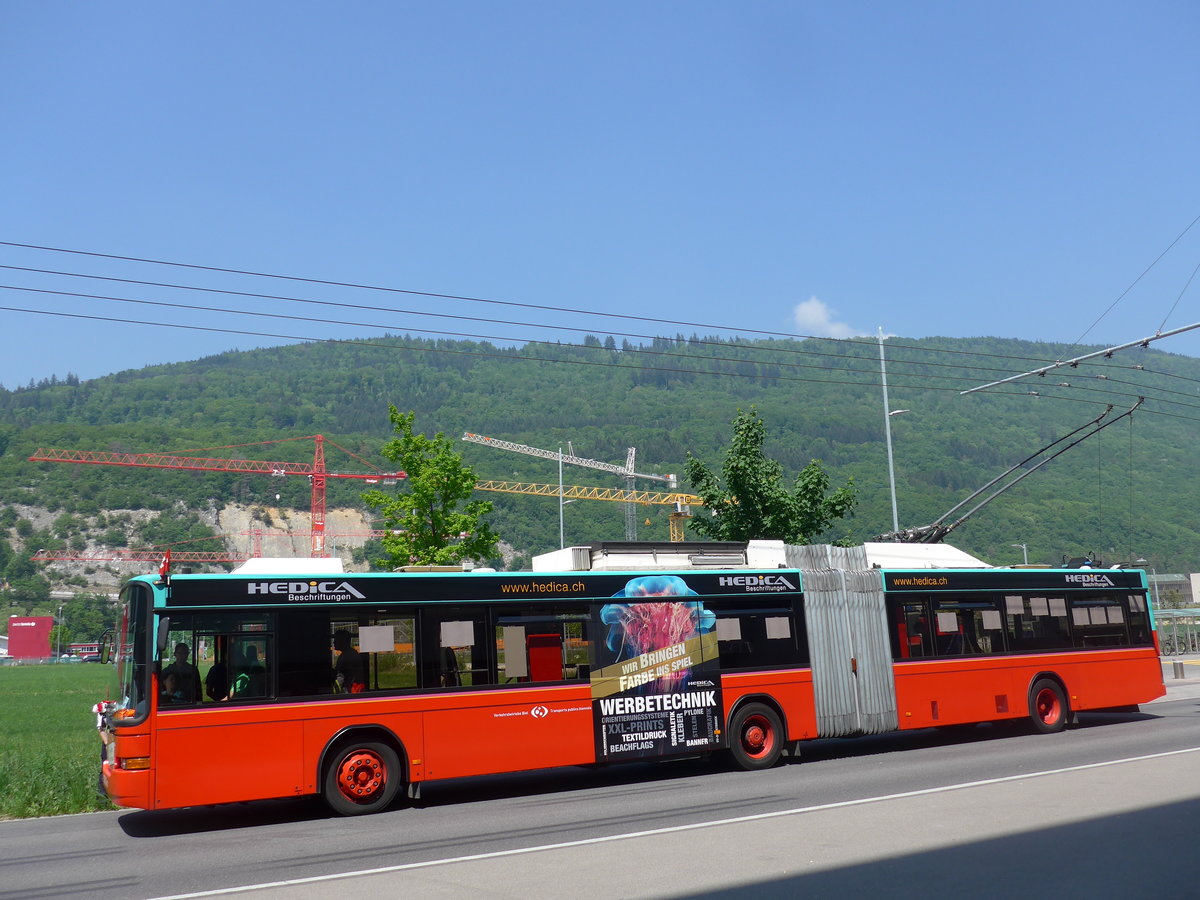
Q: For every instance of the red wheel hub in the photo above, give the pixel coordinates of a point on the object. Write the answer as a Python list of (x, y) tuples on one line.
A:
[(1048, 708), (757, 737), (361, 775)]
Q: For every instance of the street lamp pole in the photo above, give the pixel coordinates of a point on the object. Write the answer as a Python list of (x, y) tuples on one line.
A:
[(887, 430), (1141, 561), (1024, 551), (60, 631)]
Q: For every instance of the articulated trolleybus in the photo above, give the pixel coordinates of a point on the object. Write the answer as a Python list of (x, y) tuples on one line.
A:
[(286, 681)]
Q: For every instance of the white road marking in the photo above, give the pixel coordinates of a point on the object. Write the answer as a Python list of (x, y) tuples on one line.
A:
[(673, 829)]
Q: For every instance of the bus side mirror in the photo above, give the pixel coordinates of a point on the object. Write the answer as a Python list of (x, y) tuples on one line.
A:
[(164, 634), (106, 642)]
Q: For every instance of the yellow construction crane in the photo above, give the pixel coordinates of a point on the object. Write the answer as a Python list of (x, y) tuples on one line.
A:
[(681, 503), (626, 471)]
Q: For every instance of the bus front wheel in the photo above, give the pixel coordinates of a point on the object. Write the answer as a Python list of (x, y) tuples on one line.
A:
[(755, 737), (362, 777), (1048, 708)]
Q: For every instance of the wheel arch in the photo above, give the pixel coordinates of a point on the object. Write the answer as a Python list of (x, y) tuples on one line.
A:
[(766, 700), (367, 732)]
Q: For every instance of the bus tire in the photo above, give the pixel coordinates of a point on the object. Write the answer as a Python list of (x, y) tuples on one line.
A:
[(756, 737), (1048, 709), (362, 777)]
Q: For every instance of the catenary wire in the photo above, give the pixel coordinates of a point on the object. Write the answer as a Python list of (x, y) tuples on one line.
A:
[(896, 360), (461, 334), (1135, 281), (447, 296), (639, 351), (500, 355)]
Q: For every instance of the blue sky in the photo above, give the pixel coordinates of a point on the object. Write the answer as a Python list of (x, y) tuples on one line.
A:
[(958, 169)]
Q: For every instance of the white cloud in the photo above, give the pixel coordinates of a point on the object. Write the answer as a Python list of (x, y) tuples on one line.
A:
[(815, 318)]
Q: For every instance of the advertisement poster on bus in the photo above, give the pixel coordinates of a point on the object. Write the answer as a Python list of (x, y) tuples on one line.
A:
[(656, 685)]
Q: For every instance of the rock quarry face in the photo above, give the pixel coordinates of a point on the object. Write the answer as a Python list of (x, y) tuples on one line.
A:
[(244, 530), (268, 531)]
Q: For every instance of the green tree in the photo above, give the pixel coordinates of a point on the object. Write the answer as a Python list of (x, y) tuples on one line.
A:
[(87, 616), (754, 503), (27, 593), (424, 523)]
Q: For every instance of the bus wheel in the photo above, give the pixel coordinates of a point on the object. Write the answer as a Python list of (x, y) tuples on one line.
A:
[(1048, 706), (363, 777), (755, 737)]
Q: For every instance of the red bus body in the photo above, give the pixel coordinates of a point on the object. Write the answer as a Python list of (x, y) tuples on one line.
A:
[(161, 755)]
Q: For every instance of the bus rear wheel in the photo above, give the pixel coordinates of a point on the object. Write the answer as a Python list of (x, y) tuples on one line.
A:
[(755, 737), (1048, 708), (362, 777)]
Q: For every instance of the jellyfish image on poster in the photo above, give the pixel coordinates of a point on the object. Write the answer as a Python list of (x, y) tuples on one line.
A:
[(646, 626)]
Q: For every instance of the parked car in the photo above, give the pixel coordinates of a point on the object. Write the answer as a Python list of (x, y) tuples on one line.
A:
[(92, 657)]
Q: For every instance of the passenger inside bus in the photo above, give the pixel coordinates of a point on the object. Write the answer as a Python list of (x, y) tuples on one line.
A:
[(250, 680), (169, 691), (350, 670), (187, 676), (449, 677), (216, 682)]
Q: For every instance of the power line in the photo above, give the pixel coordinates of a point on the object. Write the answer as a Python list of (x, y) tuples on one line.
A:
[(459, 334), (640, 351), (447, 296), (459, 317), (1135, 281), (1143, 342), (691, 341), (367, 343), (592, 363)]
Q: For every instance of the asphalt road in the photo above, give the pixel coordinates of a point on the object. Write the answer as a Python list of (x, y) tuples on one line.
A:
[(1110, 808)]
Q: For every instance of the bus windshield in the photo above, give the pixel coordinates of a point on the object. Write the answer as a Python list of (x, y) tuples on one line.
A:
[(132, 700)]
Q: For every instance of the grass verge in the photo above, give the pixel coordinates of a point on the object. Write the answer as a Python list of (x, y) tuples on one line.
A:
[(49, 749)]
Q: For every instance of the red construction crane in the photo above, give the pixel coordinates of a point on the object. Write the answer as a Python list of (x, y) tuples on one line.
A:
[(152, 555), (315, 471)]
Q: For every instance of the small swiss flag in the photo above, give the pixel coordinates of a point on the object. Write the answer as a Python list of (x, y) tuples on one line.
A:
[(165, 566)]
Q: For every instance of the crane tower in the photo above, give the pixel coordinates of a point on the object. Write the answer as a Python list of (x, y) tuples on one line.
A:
[(316, 472)]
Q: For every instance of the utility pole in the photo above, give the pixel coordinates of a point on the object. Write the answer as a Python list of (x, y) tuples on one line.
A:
[(887, 430)]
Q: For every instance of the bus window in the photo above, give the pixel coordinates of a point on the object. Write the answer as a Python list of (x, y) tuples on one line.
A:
[(351, 660), (967, 627), (455, 648), (302, 663), (1139, 620), (234, 654), (577, 649), (911, 638), (178, 662), (250, 659), (1098, 622), (396, 669), (306, 662), (1036, 623), (541, 644), (757, 635)]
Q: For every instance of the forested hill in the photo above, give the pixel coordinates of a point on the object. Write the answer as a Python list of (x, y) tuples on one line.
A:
[(1127, 492)]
